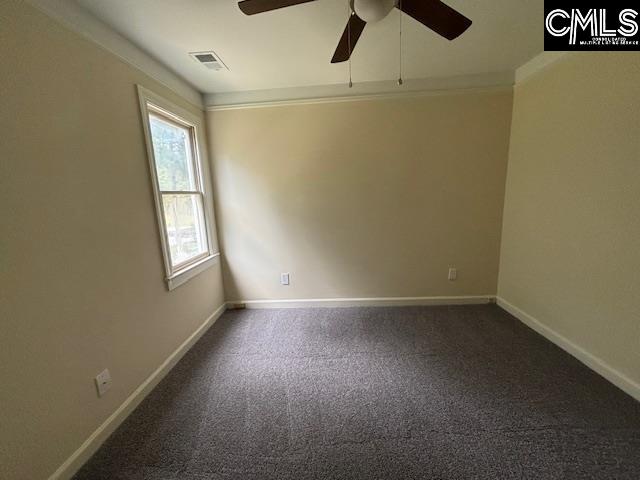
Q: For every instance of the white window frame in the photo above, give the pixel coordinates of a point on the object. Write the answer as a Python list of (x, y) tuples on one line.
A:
[(151, 103)]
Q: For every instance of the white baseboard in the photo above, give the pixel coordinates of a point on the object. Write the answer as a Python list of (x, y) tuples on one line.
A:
[(594, 363), (91, 444), (364, 302)]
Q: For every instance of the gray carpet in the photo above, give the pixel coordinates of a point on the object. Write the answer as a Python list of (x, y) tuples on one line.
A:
[(376, 393)]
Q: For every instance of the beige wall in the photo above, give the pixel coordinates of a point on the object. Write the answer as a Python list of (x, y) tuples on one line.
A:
[(362, 199), (81, 267), (571, 237)]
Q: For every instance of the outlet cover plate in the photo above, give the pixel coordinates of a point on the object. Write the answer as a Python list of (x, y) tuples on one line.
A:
[(453, 274), (103, 382)]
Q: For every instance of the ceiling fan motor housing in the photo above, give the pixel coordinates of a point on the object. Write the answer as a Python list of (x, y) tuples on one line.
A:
[(373, 10)]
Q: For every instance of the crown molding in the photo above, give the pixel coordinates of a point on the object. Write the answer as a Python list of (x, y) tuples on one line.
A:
[(360, 91), (356, 98), (537, 64), (77, 19)]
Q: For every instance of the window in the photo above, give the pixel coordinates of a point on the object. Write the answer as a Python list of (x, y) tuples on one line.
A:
[(179, 180)]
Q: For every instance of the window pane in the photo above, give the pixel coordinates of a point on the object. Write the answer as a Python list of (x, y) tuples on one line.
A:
[(173, 155), (184, 220)]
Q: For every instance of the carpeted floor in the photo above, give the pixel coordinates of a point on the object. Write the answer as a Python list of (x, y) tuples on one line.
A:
[(376, 393)]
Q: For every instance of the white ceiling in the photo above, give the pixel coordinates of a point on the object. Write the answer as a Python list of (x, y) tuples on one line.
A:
[(292, 47)]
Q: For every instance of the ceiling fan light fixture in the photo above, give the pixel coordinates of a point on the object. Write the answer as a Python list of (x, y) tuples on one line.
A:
[(373, 10)]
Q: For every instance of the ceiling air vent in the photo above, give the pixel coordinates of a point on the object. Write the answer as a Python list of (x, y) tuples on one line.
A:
[(209, 60)]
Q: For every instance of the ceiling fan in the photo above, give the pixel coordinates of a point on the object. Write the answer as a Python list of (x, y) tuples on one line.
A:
[(434, 14)]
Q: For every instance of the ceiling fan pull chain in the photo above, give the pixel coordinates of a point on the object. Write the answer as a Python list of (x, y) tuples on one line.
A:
[(351, 13), (400, 45)]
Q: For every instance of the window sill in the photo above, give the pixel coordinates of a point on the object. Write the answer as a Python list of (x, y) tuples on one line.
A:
[(191, 271)]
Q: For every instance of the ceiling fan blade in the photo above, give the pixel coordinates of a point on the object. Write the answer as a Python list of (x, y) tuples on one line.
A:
[(355, 26), (251, 7), (439, 17)]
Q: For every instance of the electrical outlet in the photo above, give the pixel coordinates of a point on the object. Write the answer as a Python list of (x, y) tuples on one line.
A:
[(284, 279), (103, 382), (453, 274)]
